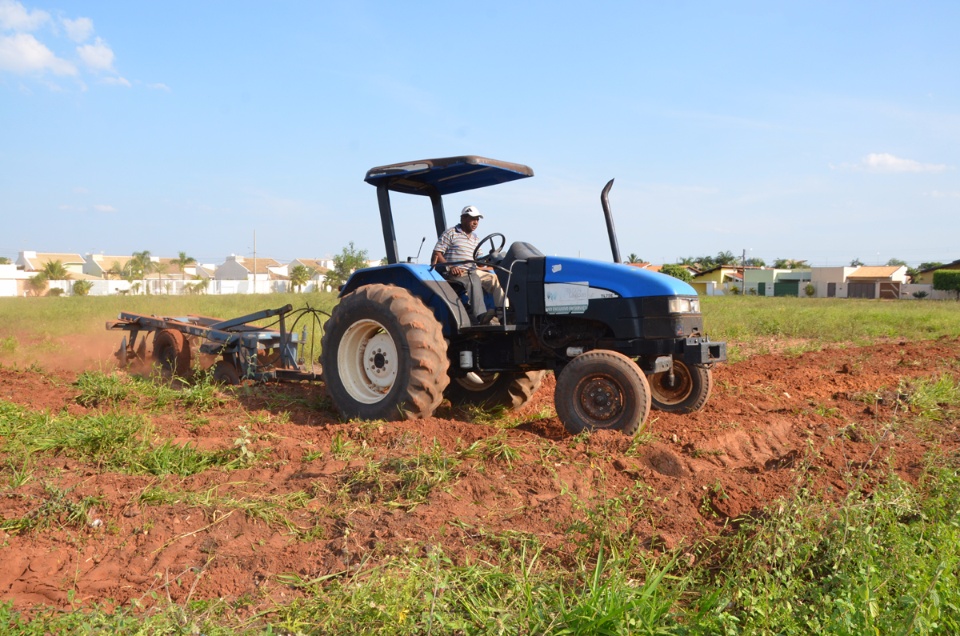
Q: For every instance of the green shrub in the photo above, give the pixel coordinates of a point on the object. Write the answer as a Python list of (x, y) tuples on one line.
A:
[(947, 280)]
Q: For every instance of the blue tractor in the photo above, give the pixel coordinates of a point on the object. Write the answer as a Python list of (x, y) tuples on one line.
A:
[(621, 340)]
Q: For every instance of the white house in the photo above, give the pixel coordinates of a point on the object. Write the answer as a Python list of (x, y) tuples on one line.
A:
[(319, 267), (239, 275), (31, 261), (883, 281), (13, 281)]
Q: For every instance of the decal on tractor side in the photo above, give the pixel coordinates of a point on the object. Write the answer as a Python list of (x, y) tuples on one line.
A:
[(571, 298)]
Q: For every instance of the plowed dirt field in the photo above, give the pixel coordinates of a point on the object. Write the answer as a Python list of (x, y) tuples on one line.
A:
[(773, 420)]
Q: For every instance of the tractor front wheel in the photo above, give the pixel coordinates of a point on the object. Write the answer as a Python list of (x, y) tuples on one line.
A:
[(685, 390), (602, 390), (383, 355), (510, 390)]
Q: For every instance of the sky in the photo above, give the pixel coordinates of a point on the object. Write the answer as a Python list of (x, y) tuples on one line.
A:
[(819, 131)]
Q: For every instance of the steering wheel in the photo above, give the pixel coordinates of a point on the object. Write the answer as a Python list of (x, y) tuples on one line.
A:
[(491, 256)]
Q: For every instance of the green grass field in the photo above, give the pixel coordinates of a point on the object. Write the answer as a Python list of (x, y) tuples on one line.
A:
[(750, 323)]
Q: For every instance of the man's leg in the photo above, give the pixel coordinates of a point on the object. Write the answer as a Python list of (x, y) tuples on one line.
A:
[(471, 282), (491, 285), (475, 293)]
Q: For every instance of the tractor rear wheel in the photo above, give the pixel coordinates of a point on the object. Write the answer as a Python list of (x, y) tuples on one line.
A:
[(172, 352), (686, 392), (509, 389), (602, 390), (383, 355)]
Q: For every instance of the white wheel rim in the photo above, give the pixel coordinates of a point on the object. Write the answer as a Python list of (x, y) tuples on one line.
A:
[(368, 361)]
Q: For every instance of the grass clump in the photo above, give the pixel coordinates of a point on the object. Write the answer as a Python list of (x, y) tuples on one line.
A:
[(401, 482), (495, 448), (56, 509), (99, 389), (884, 563), (111, 440), (269, 509), (934, 400), (524, 594)]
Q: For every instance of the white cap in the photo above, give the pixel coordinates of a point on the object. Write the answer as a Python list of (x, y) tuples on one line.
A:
[(472, 212)]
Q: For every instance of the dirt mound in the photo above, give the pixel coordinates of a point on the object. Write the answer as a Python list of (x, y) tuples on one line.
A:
[(325, 497)]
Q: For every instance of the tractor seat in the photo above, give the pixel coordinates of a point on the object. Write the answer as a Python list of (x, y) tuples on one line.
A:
[(519, 251)]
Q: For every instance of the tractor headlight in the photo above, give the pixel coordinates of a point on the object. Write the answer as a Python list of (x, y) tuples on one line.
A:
[(681, 305)]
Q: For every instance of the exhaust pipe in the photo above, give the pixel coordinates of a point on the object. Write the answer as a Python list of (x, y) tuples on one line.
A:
[(605, 202)]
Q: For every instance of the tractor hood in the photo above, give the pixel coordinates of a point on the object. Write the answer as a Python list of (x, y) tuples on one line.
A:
[(623, 280)]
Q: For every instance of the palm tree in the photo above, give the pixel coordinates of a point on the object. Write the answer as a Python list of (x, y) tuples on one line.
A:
[(38, 284), (182, 262), (633, 258), (54, 270), (725, 258), (116, 270), (82, 287), (140, 265), (705, 262), (299, 276)]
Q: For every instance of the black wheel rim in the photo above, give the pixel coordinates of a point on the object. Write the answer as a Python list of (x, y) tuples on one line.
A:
[(600, 398)]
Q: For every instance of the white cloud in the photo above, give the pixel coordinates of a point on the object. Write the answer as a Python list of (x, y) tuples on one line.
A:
[(104, 208), (160, 86), (940, 194), (98, 56), (14, 17), (22, 53), (78, 30), (887, 163), (116, 81)]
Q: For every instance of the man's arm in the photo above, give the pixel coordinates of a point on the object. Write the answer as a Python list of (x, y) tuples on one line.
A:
[(438, 259)]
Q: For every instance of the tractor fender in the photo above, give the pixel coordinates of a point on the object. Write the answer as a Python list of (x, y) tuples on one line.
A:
[(423, 282)]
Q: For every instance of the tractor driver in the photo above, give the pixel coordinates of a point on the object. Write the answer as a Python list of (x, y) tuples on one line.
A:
[(457, 245)]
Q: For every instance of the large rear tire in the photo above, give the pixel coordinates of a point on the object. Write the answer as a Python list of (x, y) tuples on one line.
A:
[(384, 356), (172, 352), (602, 390), (686, 392), (510, 390)]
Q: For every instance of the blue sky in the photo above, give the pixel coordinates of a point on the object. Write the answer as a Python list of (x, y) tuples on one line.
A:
[(824, 131)]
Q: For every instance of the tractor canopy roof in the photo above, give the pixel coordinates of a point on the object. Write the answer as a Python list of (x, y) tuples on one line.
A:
[(445, 176)]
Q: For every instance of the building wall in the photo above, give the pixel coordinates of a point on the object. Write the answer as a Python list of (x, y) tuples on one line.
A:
[(706, 288), (231, 269)]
